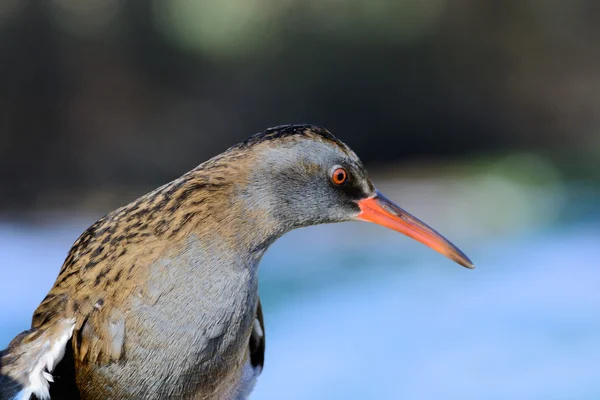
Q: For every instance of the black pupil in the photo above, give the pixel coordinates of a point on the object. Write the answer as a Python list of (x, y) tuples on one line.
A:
[(340, 176)]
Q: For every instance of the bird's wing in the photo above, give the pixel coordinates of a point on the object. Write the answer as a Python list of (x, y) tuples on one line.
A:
[(26, 365), (98, 329), (257, 340), (64, 322), (85, 289)]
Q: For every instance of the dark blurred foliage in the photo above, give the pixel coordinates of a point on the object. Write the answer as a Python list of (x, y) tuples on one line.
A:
[(103, 95)]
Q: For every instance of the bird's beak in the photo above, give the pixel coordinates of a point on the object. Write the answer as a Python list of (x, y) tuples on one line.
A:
[(381, 211)]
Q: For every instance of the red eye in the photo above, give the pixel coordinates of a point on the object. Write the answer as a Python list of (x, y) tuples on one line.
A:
[(339, 176)]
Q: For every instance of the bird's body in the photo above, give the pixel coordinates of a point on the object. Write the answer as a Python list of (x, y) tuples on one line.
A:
[(159, 299)]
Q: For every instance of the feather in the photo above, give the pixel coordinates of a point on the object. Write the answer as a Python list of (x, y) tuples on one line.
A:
[(30, 359)]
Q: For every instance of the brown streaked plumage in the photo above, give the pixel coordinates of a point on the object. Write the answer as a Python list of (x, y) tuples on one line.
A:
[(159, 298)]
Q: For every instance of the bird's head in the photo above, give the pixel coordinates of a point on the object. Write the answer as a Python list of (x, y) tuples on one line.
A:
[(302, 175)]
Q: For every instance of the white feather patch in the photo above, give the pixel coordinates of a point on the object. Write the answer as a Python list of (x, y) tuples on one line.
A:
[(257, 328), (39, 374)]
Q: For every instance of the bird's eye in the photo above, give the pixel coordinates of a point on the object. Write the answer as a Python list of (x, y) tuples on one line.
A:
[(339, 176)]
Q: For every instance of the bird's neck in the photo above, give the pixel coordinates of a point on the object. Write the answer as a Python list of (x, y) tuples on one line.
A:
[(214, 203), (212, 234)]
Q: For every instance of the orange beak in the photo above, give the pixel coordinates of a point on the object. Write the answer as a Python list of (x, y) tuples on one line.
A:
[(381, 211)]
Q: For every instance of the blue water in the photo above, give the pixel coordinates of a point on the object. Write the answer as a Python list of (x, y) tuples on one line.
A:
[(357, 312)]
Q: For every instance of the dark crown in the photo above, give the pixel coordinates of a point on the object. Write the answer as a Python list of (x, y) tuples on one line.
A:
[(285, 131)]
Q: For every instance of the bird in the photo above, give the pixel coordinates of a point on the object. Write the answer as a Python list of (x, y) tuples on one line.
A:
[(159, 298)]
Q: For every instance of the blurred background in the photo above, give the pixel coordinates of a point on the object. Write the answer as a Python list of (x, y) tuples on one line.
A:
[(480, 117)]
